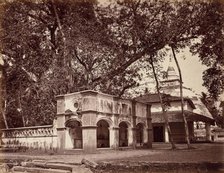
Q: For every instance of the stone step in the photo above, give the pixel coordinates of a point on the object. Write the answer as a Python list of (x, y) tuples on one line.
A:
[(47, 165), (37, 170), (81, 169), (9, 149), (89, 163), (4, 168)]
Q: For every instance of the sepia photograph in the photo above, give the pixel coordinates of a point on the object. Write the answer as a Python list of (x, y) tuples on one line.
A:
[(111, 86)]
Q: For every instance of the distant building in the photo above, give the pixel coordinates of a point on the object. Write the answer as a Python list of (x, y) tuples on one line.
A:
[(194, 110)]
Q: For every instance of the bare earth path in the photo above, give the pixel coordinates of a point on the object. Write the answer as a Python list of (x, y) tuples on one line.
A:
[(208, 152)]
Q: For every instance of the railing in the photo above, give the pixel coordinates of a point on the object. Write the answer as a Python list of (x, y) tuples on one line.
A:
[(35, 131), (38, 137)]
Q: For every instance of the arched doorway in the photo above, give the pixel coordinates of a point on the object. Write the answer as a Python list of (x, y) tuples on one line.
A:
[(75, 132), (139, 134), (123, 134), (103, 134)]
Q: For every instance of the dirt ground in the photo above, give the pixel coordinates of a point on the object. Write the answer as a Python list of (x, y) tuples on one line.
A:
[(206, 157), (206, 152)]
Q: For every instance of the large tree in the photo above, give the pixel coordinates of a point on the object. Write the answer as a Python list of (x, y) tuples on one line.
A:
[(55, 47), (51, 48), (210, 46)]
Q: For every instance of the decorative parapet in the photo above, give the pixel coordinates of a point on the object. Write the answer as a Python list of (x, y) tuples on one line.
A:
[(35, 131), (36, 137)]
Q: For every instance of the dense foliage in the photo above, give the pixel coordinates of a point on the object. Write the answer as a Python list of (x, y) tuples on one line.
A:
[(52, 47)]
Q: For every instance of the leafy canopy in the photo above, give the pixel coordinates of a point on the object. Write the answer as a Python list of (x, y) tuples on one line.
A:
[(53, 47)]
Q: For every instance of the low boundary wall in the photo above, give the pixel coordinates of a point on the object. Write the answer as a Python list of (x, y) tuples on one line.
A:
[(35, 137)]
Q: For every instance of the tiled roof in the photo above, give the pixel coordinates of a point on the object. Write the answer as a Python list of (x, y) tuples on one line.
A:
[(154, 98)]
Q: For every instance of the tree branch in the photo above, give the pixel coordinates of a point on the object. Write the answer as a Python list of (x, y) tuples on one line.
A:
[(125, 88), (79, 60)]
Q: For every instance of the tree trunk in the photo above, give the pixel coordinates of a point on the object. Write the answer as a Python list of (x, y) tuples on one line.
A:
[(3, 93), (162, 105), (3, 115), (66, 62), (182, 101), (60, 29), (20, 106)]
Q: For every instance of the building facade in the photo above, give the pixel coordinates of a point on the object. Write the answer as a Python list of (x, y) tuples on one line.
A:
[(194, 110), (89, 120), (86, 121)]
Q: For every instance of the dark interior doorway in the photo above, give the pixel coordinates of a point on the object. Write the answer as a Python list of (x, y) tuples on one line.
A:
[(103, 134), (139, 133), (158, 134), (75, 131), (123, 134)]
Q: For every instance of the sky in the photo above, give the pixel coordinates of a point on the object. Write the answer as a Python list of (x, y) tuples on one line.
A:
[(191, 68)]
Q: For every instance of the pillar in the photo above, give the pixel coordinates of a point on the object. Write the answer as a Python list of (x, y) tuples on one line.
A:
[(89, 116), (149, 125), (145, 134), (61, 131), (114, 137), (133, 130), (60, 122), (208, 131), (114, 131), (166, 134), (68, 140), (89, 138), (61, 138), (131, 137)]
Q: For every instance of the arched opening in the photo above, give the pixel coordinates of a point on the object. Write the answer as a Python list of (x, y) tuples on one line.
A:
[(123, 134), (103, 134), (75, 132), (158, 133), (139, 134)]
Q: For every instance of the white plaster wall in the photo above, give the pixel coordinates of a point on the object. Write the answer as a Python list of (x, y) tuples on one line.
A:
[(105, 104), (39, 137), (33, 142), (141, 110), (70, 99), (68, 140), (126, 107)]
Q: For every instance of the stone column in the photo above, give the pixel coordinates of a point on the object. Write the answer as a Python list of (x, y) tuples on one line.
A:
[(89, 138), (149, 125), (208, 131), (61, 138), (61, 131), (60, 122), (166, 134), (145, 135), (89, 116), (68, 140), (133, 142), (114, 137), (131, 137)]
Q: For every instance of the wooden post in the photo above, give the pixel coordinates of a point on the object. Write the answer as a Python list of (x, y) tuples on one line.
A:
[(149, 125), (134, 123)]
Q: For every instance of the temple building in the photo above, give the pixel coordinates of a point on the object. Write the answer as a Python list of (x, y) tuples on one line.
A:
[(89, 120), (194, 110)]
